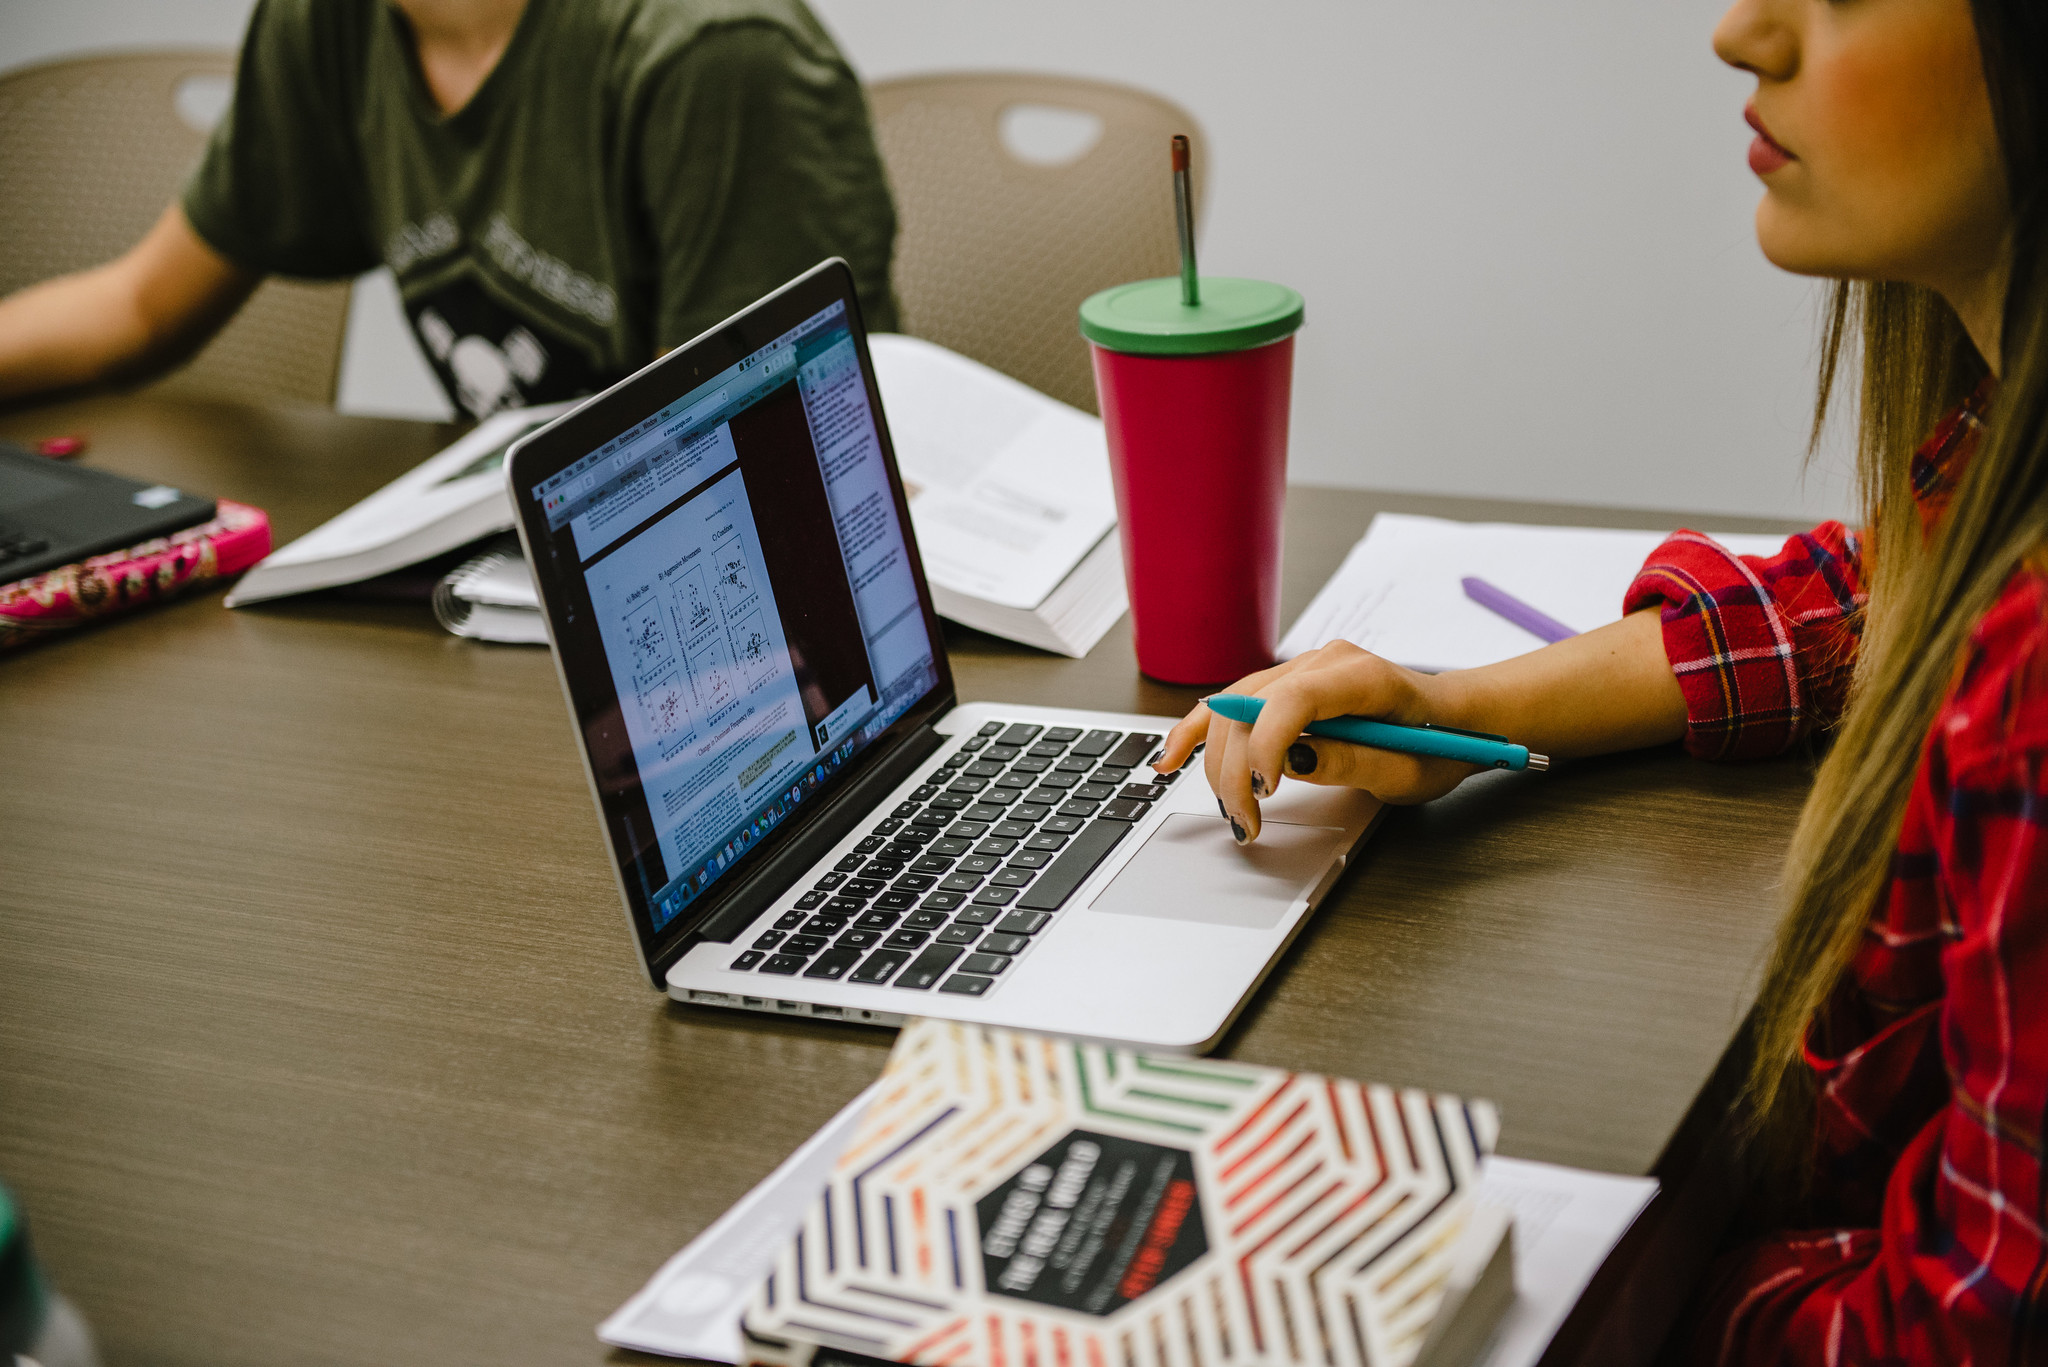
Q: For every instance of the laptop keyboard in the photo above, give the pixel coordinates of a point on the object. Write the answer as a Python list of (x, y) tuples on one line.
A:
[(948, 888)]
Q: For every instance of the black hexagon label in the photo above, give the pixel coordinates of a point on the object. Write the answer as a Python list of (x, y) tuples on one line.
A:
[(1092, 1224)]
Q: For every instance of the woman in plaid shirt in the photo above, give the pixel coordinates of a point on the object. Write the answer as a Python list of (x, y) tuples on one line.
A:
[(1900, 1091)]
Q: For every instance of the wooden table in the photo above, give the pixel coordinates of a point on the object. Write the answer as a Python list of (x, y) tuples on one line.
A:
[(322, 1041)]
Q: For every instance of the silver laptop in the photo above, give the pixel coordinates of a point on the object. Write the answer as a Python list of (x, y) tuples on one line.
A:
[(802, 818)]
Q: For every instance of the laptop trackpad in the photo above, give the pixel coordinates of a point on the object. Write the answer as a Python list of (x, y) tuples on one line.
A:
[(1191, 870)]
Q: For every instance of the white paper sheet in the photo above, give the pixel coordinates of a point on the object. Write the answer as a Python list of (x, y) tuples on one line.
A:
[(1013, 487), (1566, 1222), (692, 1306), (1398, 593)]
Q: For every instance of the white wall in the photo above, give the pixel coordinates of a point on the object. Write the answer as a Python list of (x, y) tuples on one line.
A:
[(1522, 229), (37, 30)]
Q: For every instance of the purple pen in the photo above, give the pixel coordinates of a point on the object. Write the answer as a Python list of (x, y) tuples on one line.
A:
[(1514, 609)]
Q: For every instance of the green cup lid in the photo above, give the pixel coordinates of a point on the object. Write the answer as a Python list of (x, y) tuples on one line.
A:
[(1147, 316)]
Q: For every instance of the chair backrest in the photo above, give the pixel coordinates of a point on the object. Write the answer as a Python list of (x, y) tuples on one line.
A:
[(1018, 196), (91, 150)]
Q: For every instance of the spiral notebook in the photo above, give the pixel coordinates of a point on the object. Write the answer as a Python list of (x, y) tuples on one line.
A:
[(491, 597)]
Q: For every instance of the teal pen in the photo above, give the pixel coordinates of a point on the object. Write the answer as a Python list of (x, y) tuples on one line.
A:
[(1469, 747)]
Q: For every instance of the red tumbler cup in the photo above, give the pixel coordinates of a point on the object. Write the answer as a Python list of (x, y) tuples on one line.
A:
[(1194, 404)]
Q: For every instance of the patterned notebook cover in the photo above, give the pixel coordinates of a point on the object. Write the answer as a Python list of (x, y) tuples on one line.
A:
[(1012, 1200), (73, 596)]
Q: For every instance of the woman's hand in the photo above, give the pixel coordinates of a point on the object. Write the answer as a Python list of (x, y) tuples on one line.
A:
[(1603, 690), (1244, 763)]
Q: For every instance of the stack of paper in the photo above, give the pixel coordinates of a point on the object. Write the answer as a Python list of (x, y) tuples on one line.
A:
[(1010, 497), (1400, 594)]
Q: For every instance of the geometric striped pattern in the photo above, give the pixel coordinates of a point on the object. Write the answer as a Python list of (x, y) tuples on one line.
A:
[(1328, 1212)]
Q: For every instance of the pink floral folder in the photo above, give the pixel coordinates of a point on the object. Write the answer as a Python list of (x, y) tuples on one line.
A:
[(121, 581)]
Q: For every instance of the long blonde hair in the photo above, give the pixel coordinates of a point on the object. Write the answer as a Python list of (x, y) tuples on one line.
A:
[(1926, 593), (1917, 363)]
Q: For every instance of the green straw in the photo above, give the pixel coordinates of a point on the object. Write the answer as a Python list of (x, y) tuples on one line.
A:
[(1184, 213)]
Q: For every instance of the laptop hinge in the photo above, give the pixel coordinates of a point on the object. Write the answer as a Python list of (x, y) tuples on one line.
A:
[(850, 809)]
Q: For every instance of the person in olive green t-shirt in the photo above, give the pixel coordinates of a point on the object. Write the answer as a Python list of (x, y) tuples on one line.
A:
[(563, 188)]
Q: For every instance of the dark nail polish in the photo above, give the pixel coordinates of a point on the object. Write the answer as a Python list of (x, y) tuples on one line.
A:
[(1222, 810), (1237, 831), (1301, 758), (1258, 784)]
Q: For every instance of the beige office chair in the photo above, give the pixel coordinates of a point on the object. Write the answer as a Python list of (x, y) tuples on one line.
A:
[(91, 150), (1011, 213)]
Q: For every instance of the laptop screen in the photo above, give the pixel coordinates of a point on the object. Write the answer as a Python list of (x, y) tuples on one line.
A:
[(748, 576)]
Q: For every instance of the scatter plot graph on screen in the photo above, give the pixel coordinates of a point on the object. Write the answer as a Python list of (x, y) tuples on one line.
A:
[(694, 595), (648, 640), (667, 708), (733, 579), (752, 648), (711, 674)]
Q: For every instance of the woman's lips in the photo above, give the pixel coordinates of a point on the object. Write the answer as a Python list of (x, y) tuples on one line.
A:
[(1765, 155)]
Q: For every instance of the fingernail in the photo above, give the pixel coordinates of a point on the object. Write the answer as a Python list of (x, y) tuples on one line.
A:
[(1301, 757), (1223, 811), (1237, 831), (1258, 784)]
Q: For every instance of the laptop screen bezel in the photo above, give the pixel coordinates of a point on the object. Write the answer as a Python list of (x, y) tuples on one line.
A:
[(551, 449)]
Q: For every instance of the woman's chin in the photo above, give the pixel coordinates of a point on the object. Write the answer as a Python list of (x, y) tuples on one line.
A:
[(1793, 246)]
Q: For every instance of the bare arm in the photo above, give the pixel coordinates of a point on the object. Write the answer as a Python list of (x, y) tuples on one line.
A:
[(1610, 689), (141, 313)]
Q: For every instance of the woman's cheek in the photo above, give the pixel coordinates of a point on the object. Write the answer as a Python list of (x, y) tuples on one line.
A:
[(1899, 113)]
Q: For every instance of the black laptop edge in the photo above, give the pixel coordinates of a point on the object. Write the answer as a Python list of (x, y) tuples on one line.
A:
[(96, 512), (766, 869)]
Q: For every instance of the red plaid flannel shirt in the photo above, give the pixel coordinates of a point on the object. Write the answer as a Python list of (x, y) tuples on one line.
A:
[(1932, 1057)]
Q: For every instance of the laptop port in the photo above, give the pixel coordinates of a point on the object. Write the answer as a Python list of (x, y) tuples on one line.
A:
[(832, 1011), (789, 1006), (752, 1001)]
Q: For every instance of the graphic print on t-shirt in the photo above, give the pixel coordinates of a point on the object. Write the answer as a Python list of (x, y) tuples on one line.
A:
[(490, 357)]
